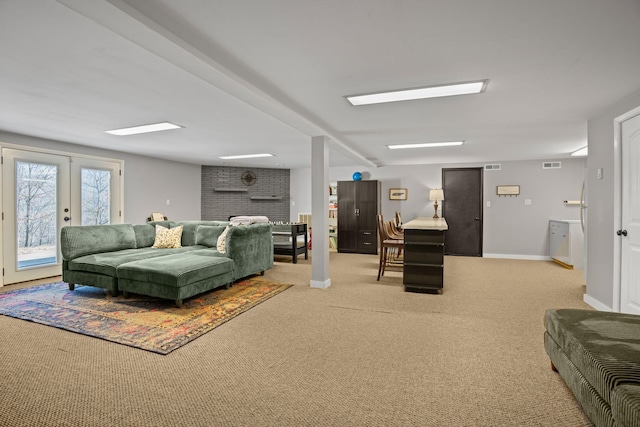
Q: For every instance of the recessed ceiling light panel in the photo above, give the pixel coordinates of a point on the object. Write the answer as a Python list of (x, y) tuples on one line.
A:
[(155, 127), (246, 156), (419, 93), (425, 145)]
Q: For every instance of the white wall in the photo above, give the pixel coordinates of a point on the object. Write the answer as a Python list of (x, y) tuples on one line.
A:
[(600, 195), (511, 228), (148, 182)]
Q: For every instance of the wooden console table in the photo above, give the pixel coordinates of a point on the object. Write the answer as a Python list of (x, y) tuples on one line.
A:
[(424, 255), (285, 240)]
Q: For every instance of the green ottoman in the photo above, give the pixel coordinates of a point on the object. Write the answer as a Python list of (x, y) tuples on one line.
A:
[(175, 277), (597, 354)]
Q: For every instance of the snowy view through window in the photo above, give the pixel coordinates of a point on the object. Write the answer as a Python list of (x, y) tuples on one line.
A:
[(37, 209)]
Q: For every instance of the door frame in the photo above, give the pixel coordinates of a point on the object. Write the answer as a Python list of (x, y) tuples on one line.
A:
[(57, 153), (617, 205)]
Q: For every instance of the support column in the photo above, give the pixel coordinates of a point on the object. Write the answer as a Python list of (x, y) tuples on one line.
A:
[(319, 212)]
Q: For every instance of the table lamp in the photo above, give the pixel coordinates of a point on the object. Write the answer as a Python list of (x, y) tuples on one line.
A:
[(436, 194)]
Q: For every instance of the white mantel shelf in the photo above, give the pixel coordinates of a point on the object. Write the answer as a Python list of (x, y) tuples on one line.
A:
[(425, 223)]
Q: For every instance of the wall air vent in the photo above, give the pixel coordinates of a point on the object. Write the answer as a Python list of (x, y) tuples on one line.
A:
[(494, 167), (551, 165)]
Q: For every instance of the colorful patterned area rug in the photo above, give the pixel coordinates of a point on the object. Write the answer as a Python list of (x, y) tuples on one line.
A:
[(147, 323)]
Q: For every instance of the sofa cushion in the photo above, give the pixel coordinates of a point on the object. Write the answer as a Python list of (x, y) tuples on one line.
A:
[(107, 263), (207, 235), (77, 241), (213, 252), (145, 235), (175, 270), (165, 224), (603, 346), (190, 229), (167, 238)]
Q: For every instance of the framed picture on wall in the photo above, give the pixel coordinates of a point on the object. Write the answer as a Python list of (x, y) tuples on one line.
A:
[(398, 193)]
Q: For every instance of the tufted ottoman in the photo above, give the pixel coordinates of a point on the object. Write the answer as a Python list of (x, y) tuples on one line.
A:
[(175, 277)]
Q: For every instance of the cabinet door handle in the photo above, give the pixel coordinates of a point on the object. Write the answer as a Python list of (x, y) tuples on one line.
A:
[(366, 233), (621, 232)]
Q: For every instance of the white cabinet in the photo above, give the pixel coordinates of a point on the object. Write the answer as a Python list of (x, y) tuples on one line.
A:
[(566, 243)]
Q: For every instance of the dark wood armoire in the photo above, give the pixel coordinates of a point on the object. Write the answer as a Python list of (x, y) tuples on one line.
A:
[(358, 205)]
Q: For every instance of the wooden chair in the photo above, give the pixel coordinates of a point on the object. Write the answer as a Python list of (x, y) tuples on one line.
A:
[(386, 243), (394, 233), (398, 220)]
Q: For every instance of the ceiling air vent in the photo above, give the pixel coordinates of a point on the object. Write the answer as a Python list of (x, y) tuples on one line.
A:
[(494, 167), (551, 165)]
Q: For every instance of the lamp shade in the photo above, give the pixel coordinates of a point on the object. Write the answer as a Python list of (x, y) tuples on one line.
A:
[(436, 194)]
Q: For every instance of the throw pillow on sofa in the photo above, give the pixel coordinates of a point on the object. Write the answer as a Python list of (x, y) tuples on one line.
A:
[(222, 241), (207, 235), (167, 237)]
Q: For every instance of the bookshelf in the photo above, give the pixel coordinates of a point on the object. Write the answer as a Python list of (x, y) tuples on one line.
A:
[(333, 216)]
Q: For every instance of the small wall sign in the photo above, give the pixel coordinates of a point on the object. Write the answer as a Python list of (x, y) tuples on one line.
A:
[(398, 193), (508, 190)]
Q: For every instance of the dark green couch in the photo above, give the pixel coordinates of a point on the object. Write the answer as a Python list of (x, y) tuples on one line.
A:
[(119, 257), (597, 354)]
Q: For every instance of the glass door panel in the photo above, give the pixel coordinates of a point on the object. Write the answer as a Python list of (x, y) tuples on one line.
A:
[(35, 197), (95, 191), (36, 207), (95, 194)]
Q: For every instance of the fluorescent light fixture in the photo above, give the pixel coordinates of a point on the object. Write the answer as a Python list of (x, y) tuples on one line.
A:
[(246, 156), (155, 127), (581, 152), (425, 145), (419, 93)]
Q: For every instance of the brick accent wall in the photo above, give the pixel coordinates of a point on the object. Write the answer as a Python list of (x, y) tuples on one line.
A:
[(219, 205)]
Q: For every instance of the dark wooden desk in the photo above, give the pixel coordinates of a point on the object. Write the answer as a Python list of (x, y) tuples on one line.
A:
[(423, 269)]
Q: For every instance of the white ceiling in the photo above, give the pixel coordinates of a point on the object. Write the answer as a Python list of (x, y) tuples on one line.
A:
[(253, 76)]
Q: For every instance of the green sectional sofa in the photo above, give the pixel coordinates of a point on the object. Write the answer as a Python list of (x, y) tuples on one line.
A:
[(597, 354), (120, 257)]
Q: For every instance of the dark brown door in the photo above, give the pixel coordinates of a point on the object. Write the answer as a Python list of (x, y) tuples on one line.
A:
[(462, 209)]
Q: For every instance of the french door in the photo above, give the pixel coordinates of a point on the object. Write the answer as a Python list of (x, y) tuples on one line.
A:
[(43, 192)]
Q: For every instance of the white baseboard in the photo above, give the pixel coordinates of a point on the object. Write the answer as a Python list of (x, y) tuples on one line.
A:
[(511, 256), (320, 284), (595, 303)]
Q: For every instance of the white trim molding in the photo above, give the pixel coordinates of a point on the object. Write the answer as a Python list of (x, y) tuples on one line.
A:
[(512, 256), (595, 303)]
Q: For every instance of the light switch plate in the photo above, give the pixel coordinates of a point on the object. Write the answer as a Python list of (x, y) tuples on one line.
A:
[(527, 201)]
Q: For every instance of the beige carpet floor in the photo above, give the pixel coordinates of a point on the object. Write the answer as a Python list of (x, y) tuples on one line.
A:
[(360, 353)]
